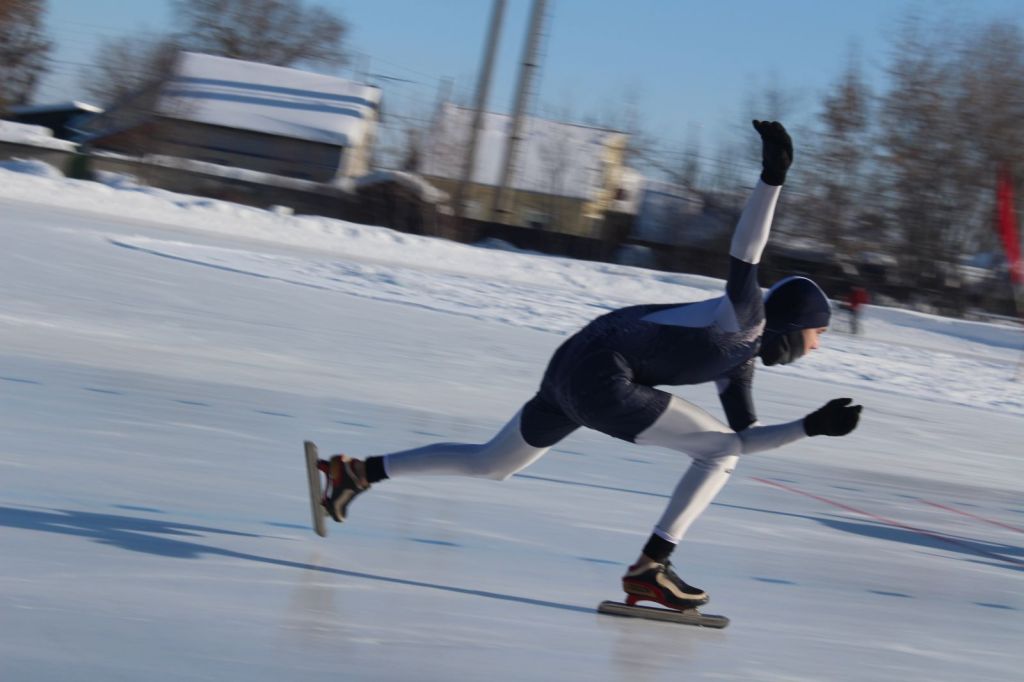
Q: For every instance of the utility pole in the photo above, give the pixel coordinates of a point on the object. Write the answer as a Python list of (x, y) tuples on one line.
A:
[(483, 86), (527, 71)]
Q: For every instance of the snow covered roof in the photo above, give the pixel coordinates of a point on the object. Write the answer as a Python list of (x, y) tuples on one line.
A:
[(554, 158), (269, 99)]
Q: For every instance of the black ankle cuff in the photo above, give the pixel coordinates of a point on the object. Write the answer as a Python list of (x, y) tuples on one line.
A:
[(375, 469), (658, 548)]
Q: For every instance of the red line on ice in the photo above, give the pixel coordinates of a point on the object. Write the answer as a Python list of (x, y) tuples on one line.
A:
[(973, 516), (891, 522)]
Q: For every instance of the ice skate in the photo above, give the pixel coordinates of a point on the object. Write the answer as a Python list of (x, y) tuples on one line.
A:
[(345, 479), (657, 582)]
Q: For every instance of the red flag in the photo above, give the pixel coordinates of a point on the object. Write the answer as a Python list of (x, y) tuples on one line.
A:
[(1007, 221)]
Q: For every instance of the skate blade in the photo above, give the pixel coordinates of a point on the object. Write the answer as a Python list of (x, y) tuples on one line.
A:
[(687, 617), (316, 492)]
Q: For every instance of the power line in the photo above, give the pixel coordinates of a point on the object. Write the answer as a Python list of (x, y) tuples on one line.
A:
[(82, 23), (395, 64)]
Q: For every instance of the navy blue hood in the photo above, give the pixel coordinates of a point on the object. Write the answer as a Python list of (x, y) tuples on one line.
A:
[(792, 305), (796, 303)]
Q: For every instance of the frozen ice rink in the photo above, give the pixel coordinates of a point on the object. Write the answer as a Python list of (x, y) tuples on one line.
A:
[(162, 359)]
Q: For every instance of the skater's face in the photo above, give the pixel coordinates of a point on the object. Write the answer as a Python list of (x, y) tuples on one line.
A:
[(812, 338), (784, 348)]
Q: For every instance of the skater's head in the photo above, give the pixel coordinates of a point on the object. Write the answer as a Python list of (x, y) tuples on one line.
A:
[(797, 313)]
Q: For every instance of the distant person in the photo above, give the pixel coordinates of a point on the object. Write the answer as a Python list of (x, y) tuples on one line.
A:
[(603, 378), (856, 299)]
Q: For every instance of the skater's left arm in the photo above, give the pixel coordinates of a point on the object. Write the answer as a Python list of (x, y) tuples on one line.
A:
[(837, 418), (737, 400), (734, 391)]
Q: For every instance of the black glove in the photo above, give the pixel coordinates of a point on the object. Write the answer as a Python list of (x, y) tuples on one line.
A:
[(776, 151), (837, 418)]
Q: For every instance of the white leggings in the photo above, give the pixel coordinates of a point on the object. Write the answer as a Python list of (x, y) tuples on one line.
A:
[(713, 446)]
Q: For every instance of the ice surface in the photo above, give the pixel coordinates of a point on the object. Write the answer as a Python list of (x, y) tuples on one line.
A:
[(163, 357)]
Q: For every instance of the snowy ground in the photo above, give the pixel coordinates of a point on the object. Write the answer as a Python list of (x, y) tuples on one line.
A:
[(162, 358)]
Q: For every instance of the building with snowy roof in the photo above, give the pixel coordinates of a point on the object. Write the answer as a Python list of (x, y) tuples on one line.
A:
[(61, 117), (565, 177), (248, 115)]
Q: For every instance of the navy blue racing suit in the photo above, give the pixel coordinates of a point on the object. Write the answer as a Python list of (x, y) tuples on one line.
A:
[(604, 376)]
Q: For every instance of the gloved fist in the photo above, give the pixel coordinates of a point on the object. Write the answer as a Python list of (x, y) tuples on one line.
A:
[(837, 418), (776, 151)]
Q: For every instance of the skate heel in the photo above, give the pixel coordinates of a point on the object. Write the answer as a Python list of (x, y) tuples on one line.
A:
[(632, 599), (343, 485)]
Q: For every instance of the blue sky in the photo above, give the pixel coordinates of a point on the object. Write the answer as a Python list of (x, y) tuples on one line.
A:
[(692, 68)]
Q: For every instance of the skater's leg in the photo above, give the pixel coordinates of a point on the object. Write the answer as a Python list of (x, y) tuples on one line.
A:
[(715, 449), (524, 440), (499, 458)]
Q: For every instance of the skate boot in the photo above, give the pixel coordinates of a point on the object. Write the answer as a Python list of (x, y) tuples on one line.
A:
[(345, 480), (657, 582)]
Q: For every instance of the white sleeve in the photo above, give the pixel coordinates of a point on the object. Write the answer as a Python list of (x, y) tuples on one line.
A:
[(757, 438), (751, 235), (699, 315)]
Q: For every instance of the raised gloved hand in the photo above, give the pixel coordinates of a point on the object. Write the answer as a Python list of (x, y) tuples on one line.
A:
[(837, 418), (776, 151)]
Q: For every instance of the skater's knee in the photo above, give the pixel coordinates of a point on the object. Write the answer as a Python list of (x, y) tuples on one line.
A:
[(501, 473), (725, 464), (495, 470), (509, 463), (715, 446), (497, 464), (507, 453)]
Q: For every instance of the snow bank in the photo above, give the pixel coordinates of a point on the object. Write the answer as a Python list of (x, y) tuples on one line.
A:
[(903, 352), (37, 136)]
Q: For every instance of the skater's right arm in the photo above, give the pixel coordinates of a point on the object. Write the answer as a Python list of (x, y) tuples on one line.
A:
[(741, 305), (751, 234)]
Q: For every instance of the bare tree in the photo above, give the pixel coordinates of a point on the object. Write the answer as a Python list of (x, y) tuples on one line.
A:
[(726, 175), (130, 77), (772, 102), (921, 144), (643, 149), (989, 99), (687, 165), (127, 66), (23, 50), (836, 185), (279, 32), (556, 150), (950, 118)]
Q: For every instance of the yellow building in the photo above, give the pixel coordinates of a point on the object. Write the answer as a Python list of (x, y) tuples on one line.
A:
[(566, 177)]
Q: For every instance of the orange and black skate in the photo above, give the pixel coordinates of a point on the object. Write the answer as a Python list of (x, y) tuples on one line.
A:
[(345, 480)]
